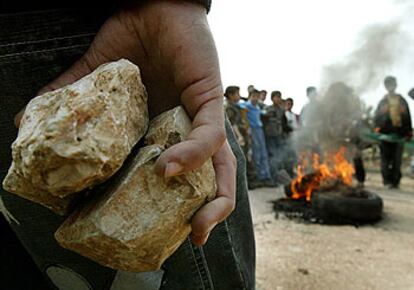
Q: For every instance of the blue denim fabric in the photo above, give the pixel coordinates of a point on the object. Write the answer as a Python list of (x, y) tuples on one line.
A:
[(275, 147), (260, 156), (34, 49)]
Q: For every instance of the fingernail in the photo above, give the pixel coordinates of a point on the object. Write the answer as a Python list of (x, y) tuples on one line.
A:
[(173, 169), (199, 240)]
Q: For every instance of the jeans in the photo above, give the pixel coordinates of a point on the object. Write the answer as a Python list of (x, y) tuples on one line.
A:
[(391, 159), (275, 147), (35, 48), (260, 157)]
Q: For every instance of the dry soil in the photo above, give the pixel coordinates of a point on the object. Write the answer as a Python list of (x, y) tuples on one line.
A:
[(296, 255)]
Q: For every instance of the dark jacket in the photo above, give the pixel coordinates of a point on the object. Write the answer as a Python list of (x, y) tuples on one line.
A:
[(275, 122), (233, 112), (411, 93), (383, 118)]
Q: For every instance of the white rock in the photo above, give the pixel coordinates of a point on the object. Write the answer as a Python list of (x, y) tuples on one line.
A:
[(143, 218), (78, 136)]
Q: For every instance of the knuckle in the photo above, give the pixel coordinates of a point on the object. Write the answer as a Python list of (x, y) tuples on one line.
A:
[(232, 206), (88, 60), (221, 135)]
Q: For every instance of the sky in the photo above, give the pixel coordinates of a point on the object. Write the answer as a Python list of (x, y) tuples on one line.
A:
[(285, 45)]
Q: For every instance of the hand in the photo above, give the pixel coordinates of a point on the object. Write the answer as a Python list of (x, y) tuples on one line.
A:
[(217, 210), (172, 44)]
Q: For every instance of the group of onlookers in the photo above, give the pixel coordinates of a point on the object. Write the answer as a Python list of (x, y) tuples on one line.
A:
[(267, 132), (264, 132)]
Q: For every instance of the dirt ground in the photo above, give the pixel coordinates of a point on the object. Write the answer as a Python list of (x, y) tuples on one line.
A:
[(299, 256)]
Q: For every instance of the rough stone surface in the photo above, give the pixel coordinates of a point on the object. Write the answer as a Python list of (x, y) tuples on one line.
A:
[(143, 218), (169, 129), (78, 136)]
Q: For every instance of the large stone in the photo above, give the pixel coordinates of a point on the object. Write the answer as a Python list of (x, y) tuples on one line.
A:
[(143, 218), (23, 187), (169, 128), (78, 136)]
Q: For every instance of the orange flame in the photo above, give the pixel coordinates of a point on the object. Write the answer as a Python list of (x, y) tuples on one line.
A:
[(335, 167)]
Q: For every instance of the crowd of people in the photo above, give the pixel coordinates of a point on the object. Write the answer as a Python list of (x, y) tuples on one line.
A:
[(264, 132), (268, 133)]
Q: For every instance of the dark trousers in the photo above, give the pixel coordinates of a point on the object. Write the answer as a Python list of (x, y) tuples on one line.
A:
[(260, 154), (391, 158), (275, 147), (359, 169), (290, 156)]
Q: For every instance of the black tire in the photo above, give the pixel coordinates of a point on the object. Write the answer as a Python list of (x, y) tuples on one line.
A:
[(336, 208)]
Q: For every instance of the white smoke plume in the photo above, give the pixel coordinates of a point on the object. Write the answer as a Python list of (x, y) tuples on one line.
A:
[(379, 48), (330, 120)]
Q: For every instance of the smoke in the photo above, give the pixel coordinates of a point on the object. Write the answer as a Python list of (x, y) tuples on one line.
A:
[(406, 3), (378, 49), (329, 121)]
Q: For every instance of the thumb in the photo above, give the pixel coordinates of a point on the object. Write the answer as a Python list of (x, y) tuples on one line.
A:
[(85, 65)]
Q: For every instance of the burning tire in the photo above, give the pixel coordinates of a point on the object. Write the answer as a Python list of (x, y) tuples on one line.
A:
[(326, 195), (338, 205), (366, 207)]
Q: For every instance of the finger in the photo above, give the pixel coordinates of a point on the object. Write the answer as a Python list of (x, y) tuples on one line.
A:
[(195, 67), (207, 136), (221, 207), (199, 240)]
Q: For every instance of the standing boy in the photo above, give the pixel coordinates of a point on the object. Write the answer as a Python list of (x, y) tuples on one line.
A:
[(275, 130), (392, 118), (260, 156)]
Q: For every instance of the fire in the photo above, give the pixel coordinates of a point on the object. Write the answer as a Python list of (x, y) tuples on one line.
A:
[(334, 168)]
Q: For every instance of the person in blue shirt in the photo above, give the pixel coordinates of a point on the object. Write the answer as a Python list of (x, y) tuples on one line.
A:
[(260, 155)]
